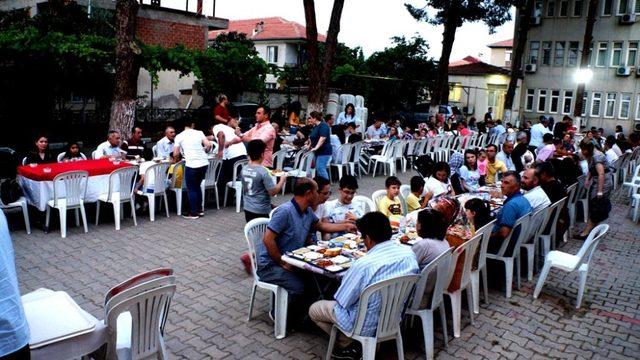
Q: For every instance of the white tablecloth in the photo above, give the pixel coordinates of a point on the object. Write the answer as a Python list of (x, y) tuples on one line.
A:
[(39, 192)]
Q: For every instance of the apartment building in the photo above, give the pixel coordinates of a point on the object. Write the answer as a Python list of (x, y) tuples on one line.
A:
[(552, 58)]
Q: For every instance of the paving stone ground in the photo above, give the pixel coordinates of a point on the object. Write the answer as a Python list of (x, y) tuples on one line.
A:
[(208, 318)]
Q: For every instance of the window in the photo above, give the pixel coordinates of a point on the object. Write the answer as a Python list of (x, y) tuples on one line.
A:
[(638, 107), (572, 60), (542, 100), (559, 54), (623, 7), (507, 57), (596, 102), (616, 54), (537, 10), (567, 102), (564, 8), (584, 104), (546, 53), (551, 8), (534, 48), (272, 54), (637, 7), (601, 56), (590, 55), (577, 7), (531, 95), (632, 51), (610, 105), (625, 105), (555, 99), (607, 5)]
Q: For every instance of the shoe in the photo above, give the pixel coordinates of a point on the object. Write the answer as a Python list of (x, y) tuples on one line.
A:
[(580, 237), (190, 217), (201, 213), (351, 352)]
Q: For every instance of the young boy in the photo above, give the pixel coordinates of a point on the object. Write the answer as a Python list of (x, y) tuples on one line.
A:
[(257, 184), (390, 205), (413, 199)]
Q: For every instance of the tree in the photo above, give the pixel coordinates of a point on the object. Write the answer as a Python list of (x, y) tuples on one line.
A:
[(320, 73), (123, 108), (584, 59), (524, 12), (453, 14)]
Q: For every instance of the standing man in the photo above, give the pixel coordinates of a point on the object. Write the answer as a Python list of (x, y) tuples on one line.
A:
[(229, 154), (537, 132), (134, 147), (14, 329), (262, 131), (505, 155), (493, 165), (221, 112), (488, 115), (164, 146)]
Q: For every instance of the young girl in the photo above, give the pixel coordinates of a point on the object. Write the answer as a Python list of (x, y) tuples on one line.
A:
[(72, 153), (469, 174), (482, 162), (478, 213)]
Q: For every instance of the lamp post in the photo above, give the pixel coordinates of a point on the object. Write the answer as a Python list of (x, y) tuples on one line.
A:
[(582, 76)]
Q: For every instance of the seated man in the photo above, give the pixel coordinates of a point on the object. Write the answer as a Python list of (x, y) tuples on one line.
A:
[(537, 198), (134, 147), (343, 209), (376, 131), (515, 207), (351, 136), (384, 260), (164, 146), (111, 147), (552, 187), (505, 155)]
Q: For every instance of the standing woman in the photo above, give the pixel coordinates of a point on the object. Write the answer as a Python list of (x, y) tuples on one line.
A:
[(194, 146), (347, 116), (600, 185), (320, 144), (41, 154), (469, 173)]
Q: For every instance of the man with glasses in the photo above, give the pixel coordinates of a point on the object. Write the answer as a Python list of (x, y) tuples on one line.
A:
[(342, 209)]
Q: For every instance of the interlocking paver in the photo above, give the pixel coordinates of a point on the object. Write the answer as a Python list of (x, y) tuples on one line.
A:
[(209, 310)]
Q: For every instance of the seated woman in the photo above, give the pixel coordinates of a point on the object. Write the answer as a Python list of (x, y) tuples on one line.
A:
[(72, 153), (438, 183), (41, 154), (469, 174)]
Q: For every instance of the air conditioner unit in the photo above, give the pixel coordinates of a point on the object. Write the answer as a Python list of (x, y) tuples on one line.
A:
[(530, 68), (468, 110), (536, 20), (636, 126), (623, 71), (627, 19)]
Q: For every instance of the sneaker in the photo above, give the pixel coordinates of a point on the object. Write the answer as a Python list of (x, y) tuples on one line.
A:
[(351, 352), (201, 213), (190, 217)]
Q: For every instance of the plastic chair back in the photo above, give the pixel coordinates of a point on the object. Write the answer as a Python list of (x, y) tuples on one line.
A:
[(357, 151), (392, 295), (467, 249), (135, 289), (365, 203), (572, 191), (147, 310), (305, 161), (154, 150), (254, 232), (485, 231), (94, 154), (278, 159), (122, 181), (522, 225), (589, 247), (159, 174), (583, 192), (177, 167), (440, 266), (74, 184), (405, 191), (137, 280), (537, 222), (345, 154), (377, 196), (548, 226), (213, 172)]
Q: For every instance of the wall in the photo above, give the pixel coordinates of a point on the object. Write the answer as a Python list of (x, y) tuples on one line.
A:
[(287, 54), (498, 57), (478, 93), (169, 34), (167, 94)]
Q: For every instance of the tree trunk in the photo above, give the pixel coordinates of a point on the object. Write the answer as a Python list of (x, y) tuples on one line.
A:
[(127, 68), (312, 52), (330, 47), (584, 59), (441, 92), (521, 32)]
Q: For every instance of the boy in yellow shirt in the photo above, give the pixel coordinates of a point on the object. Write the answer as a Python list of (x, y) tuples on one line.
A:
[(390, 205), (413, 199)]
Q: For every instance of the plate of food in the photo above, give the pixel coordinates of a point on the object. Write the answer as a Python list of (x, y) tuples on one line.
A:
[(333, 252), (312, 255), (278, 172)]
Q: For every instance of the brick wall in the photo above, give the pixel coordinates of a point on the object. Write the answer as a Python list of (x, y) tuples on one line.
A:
[(169, 34)]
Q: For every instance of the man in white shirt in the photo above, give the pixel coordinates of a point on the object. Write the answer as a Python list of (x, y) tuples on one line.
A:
[(109, 148), (227, 151), (536, 196), (537, 132), (343, 209), (610, 153), (375, 131), (164, 146), (505, 155)]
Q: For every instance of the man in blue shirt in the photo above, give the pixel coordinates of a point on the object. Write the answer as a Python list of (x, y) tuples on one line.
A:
[(515, 207), (384, 260), (14, 329)]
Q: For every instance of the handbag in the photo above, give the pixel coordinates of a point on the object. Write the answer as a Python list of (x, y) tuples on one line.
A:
[(599, 207)]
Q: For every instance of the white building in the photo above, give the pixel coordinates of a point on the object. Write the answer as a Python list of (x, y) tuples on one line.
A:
[(552, 58)]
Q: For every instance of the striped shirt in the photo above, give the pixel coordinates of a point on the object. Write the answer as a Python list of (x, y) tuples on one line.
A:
[(383, 261)]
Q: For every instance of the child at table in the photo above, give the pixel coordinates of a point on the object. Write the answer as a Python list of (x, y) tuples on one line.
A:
[(413, 200), (390, 205)]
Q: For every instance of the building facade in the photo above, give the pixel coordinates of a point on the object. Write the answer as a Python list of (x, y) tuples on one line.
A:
[(552, 58), (501, 53)]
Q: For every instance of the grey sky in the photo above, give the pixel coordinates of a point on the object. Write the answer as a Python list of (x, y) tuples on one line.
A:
[(366, 23)]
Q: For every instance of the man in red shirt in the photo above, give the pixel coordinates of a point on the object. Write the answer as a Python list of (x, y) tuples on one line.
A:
[(221, 112), (263, 130)]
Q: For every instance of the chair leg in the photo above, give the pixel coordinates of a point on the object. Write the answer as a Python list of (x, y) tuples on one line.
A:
[(508, 269), (121, 211), (97, 212), (226, 192), (215, 191), (530, 257), (427, 332), (132, 202), (583, 282), (470, 302), (63, 221), (179, 202), (475, 288), (253, 295), (152, 207), (485, 285), (399, 345), (46, 218), (25, 214), (369, 350), (84, 218), (166, 203), (332, 342), (456, 306), (443, 320), (238, 199), (77, 217), (203, 191), (116, 215), (518, 272), (541, 279), (282, 300)]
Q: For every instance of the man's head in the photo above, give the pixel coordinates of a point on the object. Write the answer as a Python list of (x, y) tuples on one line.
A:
[(522, 137), (351, 128), (529, 179), (113, 138), (378, 123), (547, 138), (305, 191), (610, 141), (170, 133), (262, 113), (329, 119), (136, 133), (417, 184), (545, 171), (222, 99), (233, 122), (492, 151), (392, 184), (255, 149), (375, 228), (507, 147), (510, 183), (490, 109), (348, 186), (544, 120), (324, 190)]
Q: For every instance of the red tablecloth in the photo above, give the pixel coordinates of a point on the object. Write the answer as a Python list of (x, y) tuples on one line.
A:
[(93, 167)]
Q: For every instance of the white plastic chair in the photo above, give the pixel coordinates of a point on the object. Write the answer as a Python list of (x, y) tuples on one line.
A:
[(94, 154), (343, 162), (468, 249), (547, 232), (583, 197), (439, 268), (405, 190), (398, 156), (74, 185), (121, 190), (355, 165), (393, 294), (60, 156), (570, 263), (365, 203), (210, 180), (154, 150), (634, 183), (385, 157), (178, 188), (22, 204), (572, 196), (377, 196), (481, 269), (158, 174), (537, 223), (278, 159), (303, 167), (236, 183), (147, 310), (635, 207), (254, 233), (509, 259)]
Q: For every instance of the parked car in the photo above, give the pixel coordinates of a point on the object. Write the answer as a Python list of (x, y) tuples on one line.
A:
[(246, 114), (420, 113)]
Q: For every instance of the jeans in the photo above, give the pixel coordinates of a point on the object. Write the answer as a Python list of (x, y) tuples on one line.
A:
[(248, 215), (193, 178), (322, 161)]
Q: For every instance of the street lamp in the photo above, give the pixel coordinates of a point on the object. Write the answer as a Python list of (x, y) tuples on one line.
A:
[(583, 76)]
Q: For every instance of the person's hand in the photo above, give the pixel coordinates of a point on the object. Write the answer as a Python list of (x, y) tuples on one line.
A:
[(351, 227), (219, 154), (350, 217)]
